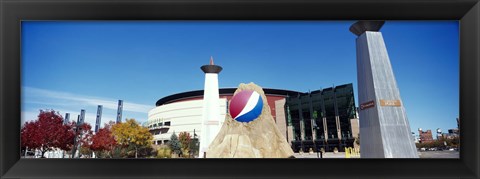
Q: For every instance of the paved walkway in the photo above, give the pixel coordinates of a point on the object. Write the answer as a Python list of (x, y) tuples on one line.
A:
[(326, 155), (439, 154), (423, 154)]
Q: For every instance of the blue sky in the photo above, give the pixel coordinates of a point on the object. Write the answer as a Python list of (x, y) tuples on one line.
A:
[(73, 65)]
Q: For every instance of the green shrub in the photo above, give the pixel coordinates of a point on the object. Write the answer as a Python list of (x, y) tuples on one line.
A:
[(164, 152)]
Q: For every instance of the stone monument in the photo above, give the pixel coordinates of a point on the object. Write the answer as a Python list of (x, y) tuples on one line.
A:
[(258, 138), (384, 128)]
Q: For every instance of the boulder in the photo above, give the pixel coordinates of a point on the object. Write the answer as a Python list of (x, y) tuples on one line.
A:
[(259, 138)]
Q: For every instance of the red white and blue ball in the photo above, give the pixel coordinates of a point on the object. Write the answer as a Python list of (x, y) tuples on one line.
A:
[(246, 106)]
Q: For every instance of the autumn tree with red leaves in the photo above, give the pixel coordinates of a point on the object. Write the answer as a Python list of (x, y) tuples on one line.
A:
[(84, 138), (47, 133), (104, 141)]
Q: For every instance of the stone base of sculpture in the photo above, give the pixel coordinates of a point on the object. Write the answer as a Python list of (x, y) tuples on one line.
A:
[(259, 138)]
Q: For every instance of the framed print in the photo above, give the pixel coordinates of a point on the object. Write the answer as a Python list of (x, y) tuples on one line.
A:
[(147, 89)]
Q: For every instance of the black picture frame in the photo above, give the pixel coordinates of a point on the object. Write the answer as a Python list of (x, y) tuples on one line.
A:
[(14, 11)]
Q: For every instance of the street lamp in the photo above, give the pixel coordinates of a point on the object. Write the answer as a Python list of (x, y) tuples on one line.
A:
[(195, 142)]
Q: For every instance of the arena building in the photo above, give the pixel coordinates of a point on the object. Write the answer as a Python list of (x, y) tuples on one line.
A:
[(298, 116)]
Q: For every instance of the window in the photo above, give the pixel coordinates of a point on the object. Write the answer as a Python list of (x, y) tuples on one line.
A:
[(167, 123)]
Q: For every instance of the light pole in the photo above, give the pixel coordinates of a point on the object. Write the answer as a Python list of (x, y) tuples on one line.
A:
[(195, 142)]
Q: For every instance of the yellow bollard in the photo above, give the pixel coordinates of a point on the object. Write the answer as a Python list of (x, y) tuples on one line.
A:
[(347, 154)]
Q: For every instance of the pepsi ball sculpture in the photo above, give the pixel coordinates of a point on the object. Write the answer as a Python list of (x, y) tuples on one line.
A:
[(246, 106)]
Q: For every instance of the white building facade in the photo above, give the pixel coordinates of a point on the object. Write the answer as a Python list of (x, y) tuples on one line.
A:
[(183, 116)]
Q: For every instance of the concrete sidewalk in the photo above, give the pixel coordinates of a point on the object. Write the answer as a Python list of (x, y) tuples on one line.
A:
[(326, 155), (423, 154)]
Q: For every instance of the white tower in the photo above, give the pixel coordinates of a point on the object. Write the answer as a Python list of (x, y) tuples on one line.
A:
[(211, 118)]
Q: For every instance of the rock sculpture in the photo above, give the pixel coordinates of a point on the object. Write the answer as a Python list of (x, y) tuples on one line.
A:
[(259, 138)]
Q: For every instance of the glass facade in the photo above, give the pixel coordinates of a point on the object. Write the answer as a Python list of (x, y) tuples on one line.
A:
[(321, 118)]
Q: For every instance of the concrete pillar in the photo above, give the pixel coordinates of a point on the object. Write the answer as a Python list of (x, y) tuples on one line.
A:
[(384, 127), (119, 111), (99, 118)]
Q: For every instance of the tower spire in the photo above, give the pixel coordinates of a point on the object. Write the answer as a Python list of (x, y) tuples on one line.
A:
[(211, 68)]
